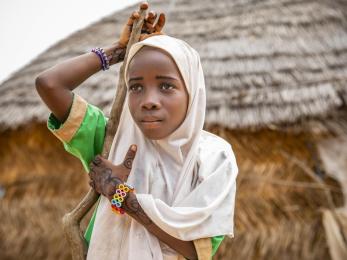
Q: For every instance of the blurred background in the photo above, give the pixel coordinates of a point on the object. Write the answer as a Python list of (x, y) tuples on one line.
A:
[(276, 78)]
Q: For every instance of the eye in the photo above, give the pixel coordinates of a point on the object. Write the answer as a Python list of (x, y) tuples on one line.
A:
[(135, 88), (166, 86)]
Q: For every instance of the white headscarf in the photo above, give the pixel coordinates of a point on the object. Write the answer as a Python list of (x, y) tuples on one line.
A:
[(185, 183)]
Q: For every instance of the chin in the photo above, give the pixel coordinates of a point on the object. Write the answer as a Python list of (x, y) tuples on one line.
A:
[(153, 133), (153, 136)]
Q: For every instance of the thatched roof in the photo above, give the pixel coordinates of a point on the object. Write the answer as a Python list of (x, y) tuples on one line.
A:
[(266, 62)]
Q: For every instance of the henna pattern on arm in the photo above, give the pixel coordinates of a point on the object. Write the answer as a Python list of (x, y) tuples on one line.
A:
[(131, 205), (117, 55), (107, 183), (134, 209)]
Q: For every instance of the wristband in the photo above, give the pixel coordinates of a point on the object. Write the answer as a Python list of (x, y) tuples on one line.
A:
[(119, 196), (105, 63)]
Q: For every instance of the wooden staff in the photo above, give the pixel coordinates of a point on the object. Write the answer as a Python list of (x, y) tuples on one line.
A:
[(71, 221)]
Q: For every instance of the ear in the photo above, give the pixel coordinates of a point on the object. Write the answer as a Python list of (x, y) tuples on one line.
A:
[(129, 157)]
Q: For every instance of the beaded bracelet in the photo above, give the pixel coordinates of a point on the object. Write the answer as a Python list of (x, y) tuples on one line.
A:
[(105, 63), (119, 197)]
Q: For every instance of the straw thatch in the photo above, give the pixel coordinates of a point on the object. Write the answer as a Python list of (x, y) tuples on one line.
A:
[(282, 189), (276, 83), (266, 62), (37, 233)]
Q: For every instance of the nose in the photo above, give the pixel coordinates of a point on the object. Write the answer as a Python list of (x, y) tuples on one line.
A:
[(150, 101)]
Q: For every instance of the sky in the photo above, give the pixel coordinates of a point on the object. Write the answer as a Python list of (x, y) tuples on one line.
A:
[(29, 27)]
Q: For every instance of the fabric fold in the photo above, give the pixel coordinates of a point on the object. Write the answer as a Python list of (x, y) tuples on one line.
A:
[(187, 219), (185, 182)]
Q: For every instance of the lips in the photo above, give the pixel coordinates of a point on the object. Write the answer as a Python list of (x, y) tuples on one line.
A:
[(150, 119), (151, 122)]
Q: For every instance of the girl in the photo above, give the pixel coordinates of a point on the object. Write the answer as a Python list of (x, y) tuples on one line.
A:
[(184, 177)]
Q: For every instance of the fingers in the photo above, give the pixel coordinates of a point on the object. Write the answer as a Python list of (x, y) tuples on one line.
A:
[(126, 31), (129, 157), (160, 24), (135, 15), (92, 184), (145, 36), (151, 17), (91, 174), (150, 21), (150, 29), (97, 160), (144, 6)]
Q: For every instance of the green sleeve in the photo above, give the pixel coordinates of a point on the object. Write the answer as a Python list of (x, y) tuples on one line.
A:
[(88, 139), (216, 241), (82, 135)]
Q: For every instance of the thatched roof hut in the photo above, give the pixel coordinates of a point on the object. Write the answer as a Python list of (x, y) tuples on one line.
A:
[(276, 76)]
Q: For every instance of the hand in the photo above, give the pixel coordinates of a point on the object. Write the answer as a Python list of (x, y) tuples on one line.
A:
[(104, 176), (149, 28)]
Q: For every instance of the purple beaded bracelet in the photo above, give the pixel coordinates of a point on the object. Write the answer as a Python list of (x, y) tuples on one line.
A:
[(103, 58)]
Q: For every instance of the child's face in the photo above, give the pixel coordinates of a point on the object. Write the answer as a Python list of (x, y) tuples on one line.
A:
[(158, 98)]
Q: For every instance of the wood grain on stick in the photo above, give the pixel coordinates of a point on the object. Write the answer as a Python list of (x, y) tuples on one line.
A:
[(72, 220)]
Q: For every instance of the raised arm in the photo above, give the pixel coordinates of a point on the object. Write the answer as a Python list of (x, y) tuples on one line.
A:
[(55, 84)]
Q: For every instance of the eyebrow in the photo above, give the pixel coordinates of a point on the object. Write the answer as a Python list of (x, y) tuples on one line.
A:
[(137, 78), (165, 77), (157, 77)]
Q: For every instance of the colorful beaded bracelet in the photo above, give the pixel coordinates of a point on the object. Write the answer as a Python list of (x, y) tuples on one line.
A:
[(119, 197), (105, 63)]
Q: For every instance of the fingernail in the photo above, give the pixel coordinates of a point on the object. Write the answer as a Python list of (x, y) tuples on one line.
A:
[(133, 148)]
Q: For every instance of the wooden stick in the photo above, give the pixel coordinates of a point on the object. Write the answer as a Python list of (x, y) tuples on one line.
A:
[(71, 220)]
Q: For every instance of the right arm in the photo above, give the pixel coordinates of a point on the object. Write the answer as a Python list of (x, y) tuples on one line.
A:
[(55, 85)]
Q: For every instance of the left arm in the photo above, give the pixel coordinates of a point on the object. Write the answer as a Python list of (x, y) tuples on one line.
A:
[(104, 179), (134, 209)]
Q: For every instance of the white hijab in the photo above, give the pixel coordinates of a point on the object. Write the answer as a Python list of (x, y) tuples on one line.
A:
[(185, 183)]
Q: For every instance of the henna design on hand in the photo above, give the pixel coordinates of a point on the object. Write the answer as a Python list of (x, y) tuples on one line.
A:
[(128, 163), (105, 176), (109, 182)]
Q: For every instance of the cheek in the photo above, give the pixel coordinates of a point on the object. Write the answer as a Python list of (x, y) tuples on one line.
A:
[(178, 106)]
